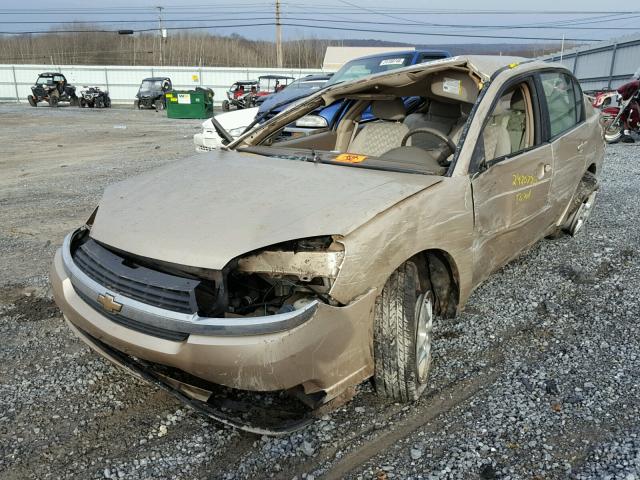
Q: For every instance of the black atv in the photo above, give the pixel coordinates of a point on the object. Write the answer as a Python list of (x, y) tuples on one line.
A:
[(151, 93), (52, 88), (94, 97)]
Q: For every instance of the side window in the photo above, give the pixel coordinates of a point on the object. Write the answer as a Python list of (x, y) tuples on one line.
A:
[(509, 128), (560, 93)]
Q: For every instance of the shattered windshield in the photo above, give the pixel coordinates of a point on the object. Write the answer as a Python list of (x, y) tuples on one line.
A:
[(362, 67)]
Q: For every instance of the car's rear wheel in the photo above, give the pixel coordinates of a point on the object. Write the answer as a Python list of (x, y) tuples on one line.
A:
[(32, 101), (225, 105), (107, 102), (53, 101), (402, 335), (583, 203)]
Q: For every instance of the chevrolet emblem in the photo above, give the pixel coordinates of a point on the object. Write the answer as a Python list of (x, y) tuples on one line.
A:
[(109, 303)]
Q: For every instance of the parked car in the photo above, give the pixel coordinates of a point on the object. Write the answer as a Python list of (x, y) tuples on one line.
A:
[(352, 70), (53, 88), (151, 93), (94, 97), (234, 122), (309, 265), (303, 86), (237, 121)]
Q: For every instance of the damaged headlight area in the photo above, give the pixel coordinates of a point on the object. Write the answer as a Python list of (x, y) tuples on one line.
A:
[(284, 277)]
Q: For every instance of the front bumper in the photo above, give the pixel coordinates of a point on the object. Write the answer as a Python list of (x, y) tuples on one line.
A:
[(321, 348), (207, 141)]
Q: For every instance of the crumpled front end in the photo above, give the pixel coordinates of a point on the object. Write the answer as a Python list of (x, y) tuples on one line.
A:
[(310, 345)]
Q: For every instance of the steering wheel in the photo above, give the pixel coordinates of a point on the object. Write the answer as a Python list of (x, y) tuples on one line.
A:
[(435, 133)]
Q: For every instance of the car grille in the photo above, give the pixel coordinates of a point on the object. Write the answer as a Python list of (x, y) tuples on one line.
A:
[(134, 281), (134, 324)]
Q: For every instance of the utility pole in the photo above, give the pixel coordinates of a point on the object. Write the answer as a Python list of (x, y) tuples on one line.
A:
[(278, 36), (160, 30)]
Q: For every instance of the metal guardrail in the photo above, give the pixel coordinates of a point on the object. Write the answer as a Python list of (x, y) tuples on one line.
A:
[(602, 65)]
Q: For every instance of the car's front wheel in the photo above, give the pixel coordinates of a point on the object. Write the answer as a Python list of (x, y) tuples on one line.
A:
[(402, 335), (32, 101)]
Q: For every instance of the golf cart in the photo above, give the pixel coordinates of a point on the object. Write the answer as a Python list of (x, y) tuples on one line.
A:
[(269, 85), (240, 94), (53, 88), (151, 93)]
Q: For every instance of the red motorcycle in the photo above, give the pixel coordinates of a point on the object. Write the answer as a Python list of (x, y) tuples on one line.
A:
[(617, 122)]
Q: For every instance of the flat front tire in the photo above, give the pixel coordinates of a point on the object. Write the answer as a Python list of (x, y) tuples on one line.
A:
[(402, 336)]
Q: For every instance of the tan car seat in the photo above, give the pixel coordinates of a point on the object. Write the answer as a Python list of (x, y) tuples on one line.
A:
[(497, 141), (376, 138)]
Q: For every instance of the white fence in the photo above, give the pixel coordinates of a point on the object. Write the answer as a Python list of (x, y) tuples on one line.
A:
[(123, 81)]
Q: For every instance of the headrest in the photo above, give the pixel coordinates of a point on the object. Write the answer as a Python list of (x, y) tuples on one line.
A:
[(456, 86), (503, 105), (440, 109), (392, 110)]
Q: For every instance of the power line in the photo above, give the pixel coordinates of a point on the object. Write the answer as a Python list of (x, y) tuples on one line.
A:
[(314, 26)]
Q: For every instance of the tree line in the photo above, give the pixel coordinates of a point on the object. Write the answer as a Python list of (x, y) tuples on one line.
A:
[(180, 49)]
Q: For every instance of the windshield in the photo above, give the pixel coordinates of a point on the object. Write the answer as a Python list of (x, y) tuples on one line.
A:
[(151, 85), (361, 67), (309, 85), (44, 81)]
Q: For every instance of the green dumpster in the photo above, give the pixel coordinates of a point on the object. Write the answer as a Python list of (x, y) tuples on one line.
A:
[(196, 103)]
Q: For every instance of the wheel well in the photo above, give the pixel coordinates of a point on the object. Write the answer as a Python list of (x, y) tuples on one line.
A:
[(439, 272), (592, 168)]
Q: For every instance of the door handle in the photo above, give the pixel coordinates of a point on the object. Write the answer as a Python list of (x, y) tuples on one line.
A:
[(544, 169), (581, 146)]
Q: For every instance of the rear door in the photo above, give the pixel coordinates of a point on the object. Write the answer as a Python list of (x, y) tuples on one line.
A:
[(568, 134), (511, 172)]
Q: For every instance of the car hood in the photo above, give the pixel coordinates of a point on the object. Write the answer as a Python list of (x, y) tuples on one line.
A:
[(208, 209)]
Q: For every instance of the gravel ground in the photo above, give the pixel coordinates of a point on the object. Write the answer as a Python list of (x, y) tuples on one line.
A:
[(537, 379)]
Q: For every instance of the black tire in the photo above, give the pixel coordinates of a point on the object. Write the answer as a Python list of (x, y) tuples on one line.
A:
[(582, 203), (53, 101), (612, 133), (159, 104), (395, 336), (225, 105), (82, 103), (136, 104), (91, 104), (32, 101), (74, 101), (99, 102), (107, 102)]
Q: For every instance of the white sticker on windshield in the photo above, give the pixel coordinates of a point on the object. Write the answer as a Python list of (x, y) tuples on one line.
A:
[(452, 86), (392, 61)]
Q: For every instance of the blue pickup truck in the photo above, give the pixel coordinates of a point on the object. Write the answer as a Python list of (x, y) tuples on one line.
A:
[(359, 67)]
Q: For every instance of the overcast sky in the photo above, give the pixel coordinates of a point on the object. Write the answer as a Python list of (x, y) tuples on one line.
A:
[(411, 20)]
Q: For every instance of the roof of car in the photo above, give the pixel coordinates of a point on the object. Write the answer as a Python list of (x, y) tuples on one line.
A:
[(276, 77), (316, 78), (155, 78), (49, 74), (442, 53), (246, 82)]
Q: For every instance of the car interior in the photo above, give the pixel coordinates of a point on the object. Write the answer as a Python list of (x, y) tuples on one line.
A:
[(422, 140)]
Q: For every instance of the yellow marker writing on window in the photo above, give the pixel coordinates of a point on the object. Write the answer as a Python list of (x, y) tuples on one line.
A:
[(350, 158)]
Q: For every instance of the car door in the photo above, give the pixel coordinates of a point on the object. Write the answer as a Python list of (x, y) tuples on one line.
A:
[(568, 133), (511, 172)]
